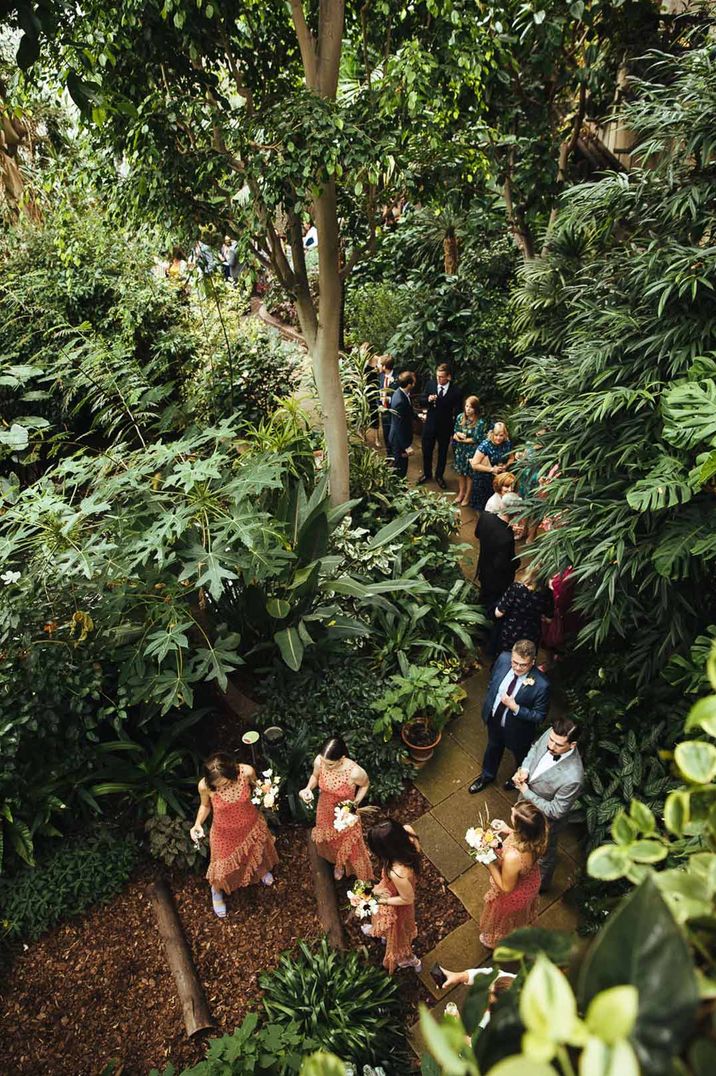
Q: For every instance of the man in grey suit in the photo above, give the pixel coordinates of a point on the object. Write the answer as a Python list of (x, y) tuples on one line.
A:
[(552, 777)]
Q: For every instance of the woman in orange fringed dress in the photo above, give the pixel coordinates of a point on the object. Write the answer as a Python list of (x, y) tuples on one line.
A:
[(339, 778), (242, 849), (511, 900), (398, 851)]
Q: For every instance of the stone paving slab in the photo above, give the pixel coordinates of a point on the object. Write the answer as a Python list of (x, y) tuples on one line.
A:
[(463, 810), (447, 771), (442, 850), (565, 876), (461, 948), (471, 887)]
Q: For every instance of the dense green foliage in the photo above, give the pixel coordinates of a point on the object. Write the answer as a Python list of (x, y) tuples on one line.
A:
[(276, 1049), (67, 880), (373, 312), (617, 325), (341, 1001)]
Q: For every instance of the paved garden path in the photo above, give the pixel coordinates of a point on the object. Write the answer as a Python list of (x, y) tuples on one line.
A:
[(444, 782)]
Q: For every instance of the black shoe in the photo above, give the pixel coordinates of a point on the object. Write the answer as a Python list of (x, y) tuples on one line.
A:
[(479, 783), (510, 786), (546, 886), (441, 482), (423, 479)]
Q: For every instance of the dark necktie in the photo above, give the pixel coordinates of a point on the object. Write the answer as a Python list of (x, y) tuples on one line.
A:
[(555, 757), (441, 392), (503, 710)]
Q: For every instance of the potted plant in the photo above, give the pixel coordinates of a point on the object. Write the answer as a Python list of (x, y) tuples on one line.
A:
[(420, 700)]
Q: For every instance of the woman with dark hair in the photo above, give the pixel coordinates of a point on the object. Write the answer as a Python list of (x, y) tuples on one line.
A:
[(398, 851), (339, 778), (242, 849), (511, 900)]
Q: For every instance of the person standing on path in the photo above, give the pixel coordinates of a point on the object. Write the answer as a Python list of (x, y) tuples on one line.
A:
[(339, 778), (492, 456), (388, 385), (242, 850), (551, 778), (521, 609), (516, 703), (441, 400), (397, 849), (469, 431), (401, 423), (496, 565), (511, 900)]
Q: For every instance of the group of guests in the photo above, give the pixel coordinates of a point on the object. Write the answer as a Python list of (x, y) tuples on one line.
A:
[(243, 852)]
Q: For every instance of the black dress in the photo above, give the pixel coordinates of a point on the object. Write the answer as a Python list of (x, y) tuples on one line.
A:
[(523, 611)]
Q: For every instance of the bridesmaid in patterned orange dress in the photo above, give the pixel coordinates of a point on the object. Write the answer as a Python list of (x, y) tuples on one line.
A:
[(242, 848), (398, 851), (511, 900), (339, 778)]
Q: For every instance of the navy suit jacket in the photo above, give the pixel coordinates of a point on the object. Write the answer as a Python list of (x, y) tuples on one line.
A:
[(533, 699), (401, 422), (440, 415)]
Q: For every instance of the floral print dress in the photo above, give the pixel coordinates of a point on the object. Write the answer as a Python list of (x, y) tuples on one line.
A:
[(462, 452), (346, 849), (481, 480), (504, 912), (395, 923), (242, 848), (523, 611)]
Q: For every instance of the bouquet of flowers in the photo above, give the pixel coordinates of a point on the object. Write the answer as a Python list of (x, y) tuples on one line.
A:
[(361, 899), (345, 815), (265, 792), (483, 841)]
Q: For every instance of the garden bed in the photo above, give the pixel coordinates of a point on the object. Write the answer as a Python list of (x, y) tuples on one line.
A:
[(99, 987)]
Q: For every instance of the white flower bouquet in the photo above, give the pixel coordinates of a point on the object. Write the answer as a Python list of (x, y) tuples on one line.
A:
[(361, 899), (345, 815), (265, 792), (483, 842)]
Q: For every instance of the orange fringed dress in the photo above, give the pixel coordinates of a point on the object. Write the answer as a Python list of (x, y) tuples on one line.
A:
[(395, 923), (504, 912), (347, 849), (242, 849)]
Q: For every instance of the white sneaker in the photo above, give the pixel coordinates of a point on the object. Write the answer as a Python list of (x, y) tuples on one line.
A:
[(217, 903), (367, 929), (267, 878)]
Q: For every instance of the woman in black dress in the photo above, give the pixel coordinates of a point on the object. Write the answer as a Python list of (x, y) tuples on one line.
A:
[(521, 608)]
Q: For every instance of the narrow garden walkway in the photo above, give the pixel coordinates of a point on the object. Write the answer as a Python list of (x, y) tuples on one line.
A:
[(444, 782)]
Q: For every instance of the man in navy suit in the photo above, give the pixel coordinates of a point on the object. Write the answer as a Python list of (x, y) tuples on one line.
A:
[(441, 401), (388, 385), (401, 422), (515, 705)]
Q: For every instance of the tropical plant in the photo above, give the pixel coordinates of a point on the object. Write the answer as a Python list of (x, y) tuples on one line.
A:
[(424, 694), (612, 321), (332, 699), (82, 871), (344, 1004), (629, 1005), (272, 1048), (168, 841), (373, 312)]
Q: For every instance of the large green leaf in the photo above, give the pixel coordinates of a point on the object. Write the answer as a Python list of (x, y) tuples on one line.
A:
[(666, 485), (642, 945), (391, 530), (689, 410), (289, 643)]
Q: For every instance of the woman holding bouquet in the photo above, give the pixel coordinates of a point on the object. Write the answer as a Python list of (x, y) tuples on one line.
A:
[(398, 851), (242, 849), (340, 780), (511, 900)]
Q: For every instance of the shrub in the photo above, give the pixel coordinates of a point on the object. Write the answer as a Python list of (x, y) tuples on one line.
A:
[(334, 700), (275, 1049), (373, 313), (262, 369), (350, 1007), (78, 873), (170, 843)]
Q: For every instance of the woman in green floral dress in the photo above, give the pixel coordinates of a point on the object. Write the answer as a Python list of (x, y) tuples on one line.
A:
[(469, 431)]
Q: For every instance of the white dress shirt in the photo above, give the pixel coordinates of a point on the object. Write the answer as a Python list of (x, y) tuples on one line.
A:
[(472, 973), (546, 763), (503, 688)]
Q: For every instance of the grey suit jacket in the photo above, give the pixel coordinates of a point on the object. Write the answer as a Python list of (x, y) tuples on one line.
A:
[(557, 789)]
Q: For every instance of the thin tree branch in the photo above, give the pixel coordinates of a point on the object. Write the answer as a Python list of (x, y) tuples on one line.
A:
[(306, 43)]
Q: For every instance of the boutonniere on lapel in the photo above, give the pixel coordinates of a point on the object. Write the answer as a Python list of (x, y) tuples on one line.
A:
[(529, 681)]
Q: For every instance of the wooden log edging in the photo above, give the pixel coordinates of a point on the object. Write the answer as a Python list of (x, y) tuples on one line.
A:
[(195, 1008), (326, 900)]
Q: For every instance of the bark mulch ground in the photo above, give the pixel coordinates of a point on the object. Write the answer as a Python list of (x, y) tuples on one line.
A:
[(99, 987)]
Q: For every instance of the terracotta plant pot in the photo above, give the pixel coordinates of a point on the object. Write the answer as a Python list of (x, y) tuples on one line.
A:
[(420, 753)]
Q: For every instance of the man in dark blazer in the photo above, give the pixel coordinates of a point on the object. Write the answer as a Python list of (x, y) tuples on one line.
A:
[(401, 422), (496, 565), (441, 400), (515, 705)]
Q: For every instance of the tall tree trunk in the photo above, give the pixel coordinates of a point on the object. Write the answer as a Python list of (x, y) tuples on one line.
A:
[(321, 55)]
